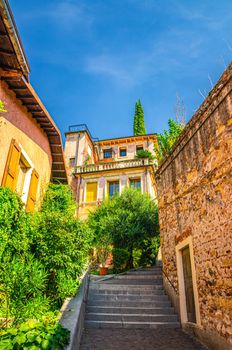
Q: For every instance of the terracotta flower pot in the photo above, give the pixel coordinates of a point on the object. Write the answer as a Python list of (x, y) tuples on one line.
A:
[(103, 270)]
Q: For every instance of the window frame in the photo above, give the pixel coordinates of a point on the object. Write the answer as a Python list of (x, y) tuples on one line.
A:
[(122, 149), (134, 179), (110, 150), (110, 183)]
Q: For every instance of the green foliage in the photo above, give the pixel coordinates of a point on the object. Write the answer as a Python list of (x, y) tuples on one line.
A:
[(150, 248), (34, 335), (22, 287), (120, 259), (60, 242), (139, 124), (145, 154), (166, 141), (42, 256), (13, 225), (129, 218), (58, 198), (2, 107)]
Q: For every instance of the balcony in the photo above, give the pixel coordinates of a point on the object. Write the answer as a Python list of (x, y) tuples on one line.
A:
[(123, 164)]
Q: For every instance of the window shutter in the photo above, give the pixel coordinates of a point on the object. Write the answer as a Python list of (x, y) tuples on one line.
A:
[(31, 199), (10, 175), (91, 192)]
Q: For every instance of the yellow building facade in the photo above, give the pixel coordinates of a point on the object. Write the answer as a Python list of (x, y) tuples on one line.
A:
[(99, 168)]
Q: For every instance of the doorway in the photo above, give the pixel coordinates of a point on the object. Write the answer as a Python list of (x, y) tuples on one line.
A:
[(188, 284)]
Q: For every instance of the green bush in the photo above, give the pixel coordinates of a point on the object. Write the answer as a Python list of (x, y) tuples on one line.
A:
[(22, 286), (144, 154), (167, 139), (42, 256), (120, 259), (129, 219), (34, 335), (13, 225), (60, 242), (149, 251)]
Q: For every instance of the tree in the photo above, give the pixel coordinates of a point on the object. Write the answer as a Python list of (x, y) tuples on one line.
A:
[(139, 125), (130, 218), (167, 139)]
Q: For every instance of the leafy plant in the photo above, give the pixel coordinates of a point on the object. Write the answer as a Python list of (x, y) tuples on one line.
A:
[(139, 125), (22, 286), (60, 242), (13, 225), (145, 154), (129, 219), (34, 335), (167, 139), (120, 259)]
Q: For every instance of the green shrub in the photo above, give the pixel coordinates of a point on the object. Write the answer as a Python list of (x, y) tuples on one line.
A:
[(34, 335), (167, 139), (129, 219), (13, 225), (144, 154), (60, 242), (22, 286), (120, 259), (149, 251)]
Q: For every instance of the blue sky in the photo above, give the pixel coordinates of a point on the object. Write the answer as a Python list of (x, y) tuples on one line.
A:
[(92, 59)]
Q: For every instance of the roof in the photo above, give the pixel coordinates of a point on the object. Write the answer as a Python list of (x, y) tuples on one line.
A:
[(81, 128), (14, 70), (127, 139)]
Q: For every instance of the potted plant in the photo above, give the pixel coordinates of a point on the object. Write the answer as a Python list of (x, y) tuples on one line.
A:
[(104, 248)]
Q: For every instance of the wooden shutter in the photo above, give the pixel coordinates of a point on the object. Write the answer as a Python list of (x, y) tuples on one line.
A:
[(31, 198), (91, 192), (11, 172)]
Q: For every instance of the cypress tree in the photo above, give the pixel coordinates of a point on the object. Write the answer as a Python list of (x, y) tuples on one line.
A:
[(139, 125)]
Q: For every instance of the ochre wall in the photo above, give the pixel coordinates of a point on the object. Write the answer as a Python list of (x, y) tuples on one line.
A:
[(195, 199), (18, 124)]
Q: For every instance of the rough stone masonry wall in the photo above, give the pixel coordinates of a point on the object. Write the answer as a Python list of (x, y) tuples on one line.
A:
[(195, 198)]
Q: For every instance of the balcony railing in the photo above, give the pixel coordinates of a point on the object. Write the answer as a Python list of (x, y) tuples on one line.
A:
[(123, 164)]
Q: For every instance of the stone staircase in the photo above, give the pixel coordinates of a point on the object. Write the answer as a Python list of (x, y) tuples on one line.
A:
[(132, 300)]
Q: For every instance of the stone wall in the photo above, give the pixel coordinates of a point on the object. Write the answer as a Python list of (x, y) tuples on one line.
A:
[(194, 186)]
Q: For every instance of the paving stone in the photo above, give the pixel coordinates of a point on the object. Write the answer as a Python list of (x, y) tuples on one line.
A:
[(138, 339)]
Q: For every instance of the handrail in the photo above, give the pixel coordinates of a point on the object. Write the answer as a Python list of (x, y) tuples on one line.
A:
[(175, 289)]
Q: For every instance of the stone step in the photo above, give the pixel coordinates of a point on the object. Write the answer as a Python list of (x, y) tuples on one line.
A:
[(131, 317), (135, 282), (138, 277), (148, 272), (128, 303), (105, 286), (122, 297), (135, 325), (126, 292), (131, 310)]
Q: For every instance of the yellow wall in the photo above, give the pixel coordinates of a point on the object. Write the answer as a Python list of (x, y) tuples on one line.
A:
[(38, 156)]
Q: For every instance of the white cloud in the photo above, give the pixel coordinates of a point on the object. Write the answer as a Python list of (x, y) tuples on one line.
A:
[(63, 13)]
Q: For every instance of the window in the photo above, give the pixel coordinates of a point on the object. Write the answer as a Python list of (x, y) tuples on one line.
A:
[(91, 192), (20, 177), (113, 188), (72, 162), (139, 148), (22, 171), (135, 183), (107, 153), (123, 152)]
